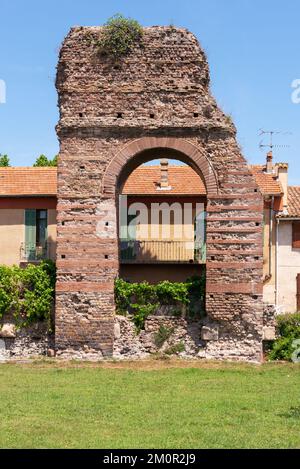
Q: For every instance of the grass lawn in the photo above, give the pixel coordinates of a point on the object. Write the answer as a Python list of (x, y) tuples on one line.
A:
[(149, 405)]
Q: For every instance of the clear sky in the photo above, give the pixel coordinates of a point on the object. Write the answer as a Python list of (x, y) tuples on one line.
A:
[(253, 47)]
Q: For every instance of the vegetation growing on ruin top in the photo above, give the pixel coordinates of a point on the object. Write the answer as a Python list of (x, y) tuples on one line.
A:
[(119, 36)]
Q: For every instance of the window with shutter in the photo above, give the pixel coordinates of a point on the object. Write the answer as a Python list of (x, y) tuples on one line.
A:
[(296, 235), (30, 233), (41, 227), (35, 232)]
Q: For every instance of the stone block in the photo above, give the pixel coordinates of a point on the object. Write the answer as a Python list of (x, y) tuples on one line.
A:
[(51, 353), (8, 331), (269, 333), (117, 330), (210, 333)]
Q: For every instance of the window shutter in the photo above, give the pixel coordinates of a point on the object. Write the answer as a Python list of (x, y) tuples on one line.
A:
[(296, 235), (30, 232)]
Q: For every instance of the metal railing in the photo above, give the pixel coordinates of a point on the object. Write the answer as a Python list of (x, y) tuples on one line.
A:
[(33, 252), (149, 251)]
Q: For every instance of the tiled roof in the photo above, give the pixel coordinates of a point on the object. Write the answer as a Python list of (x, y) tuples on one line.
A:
[(268, 183), (19, 181), (183, 180), (145, 180), (293, 202)]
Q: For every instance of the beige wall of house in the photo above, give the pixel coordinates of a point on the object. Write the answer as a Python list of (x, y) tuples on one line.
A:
[(167, 228), (288, 268), (12, 234), (169, 219), (269, 260), (164, 228)]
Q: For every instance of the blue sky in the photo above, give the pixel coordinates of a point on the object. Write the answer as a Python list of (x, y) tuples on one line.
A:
[(253, 49)]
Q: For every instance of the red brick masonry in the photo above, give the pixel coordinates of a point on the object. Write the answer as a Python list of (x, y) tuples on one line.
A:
[(113, 117)]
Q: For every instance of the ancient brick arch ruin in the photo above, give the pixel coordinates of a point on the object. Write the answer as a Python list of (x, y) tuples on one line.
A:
[(112, 116), (147, 148)]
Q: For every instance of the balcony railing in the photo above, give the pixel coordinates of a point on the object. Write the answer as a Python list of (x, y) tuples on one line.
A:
[(33, 252), (149, 251)]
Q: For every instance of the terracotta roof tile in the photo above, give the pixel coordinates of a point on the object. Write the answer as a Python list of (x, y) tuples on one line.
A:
[(293, 201), (145, 180), (19, 181), (267, 183)]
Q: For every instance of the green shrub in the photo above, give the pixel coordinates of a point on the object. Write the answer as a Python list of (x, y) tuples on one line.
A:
[(175, 349), (288, 329), (123, 294), (9, 287), (28, 293), (139, 300), (49, 267), (162, 335), (119, 36), (196, 294), (169, 293), (140, 314)]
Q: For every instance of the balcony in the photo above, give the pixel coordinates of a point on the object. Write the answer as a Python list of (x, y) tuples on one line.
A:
[(33, 252), (160, 252)]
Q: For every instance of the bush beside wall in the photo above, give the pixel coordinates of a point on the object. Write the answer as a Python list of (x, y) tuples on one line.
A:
[(27, 294), (288, 331)]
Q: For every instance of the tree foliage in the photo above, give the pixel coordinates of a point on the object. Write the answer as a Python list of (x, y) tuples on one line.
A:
[(4, 161), (43, 161)]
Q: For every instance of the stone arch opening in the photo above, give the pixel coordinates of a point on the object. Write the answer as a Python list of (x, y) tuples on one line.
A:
[(145, 149), (154, 154), (161, 230)]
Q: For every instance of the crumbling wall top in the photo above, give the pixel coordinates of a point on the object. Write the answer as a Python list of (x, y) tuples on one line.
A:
[(163, 82)]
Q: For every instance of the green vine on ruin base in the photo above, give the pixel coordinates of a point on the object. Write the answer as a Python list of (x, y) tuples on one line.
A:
[(140, 300)]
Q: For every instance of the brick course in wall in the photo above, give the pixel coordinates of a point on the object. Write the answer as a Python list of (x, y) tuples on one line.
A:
[(114, 116)]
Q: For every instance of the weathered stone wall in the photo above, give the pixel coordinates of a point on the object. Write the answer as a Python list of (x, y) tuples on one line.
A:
[(269, 322), (198, 339), (27, 342), (113, 116), (129, 344)]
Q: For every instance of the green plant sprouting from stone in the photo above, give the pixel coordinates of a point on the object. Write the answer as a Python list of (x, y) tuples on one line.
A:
[(119, 36), (162, 335), (175, 349)]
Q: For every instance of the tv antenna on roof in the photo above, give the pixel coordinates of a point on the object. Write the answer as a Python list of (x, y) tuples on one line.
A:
[(271, 133)]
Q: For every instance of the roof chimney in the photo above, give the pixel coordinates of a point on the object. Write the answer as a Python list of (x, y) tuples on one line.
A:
[(164, 178), (269, 167), (282, 171)]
